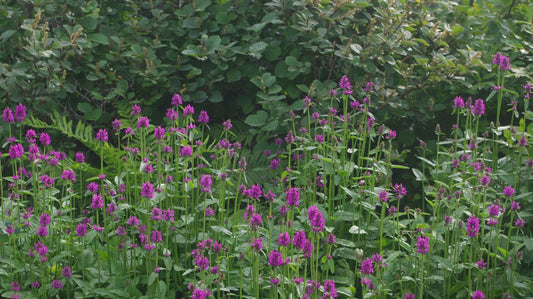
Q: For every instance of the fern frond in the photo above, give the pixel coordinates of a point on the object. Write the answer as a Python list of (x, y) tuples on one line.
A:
[(82, 133)]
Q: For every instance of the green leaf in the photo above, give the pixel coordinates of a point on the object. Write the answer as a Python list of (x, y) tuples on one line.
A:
[(233, 75), (85, 107), (221, 229), (201, 5), (88, 23), (271, 126), (257, 48), (419, 175), (355, 230), (258, 119), (122, 87), (216, 97), (268, 79), (93, 115), (152, 278), (98, 38), (7, 34), (213, 42)]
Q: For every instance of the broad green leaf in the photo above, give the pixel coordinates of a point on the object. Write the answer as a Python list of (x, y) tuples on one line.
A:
[(98, 38), (258, 119), (152, 278), (233, 75), (355, 230), (418, 174)]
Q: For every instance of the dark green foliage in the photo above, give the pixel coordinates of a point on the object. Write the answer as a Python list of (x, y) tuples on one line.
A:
[(91, 59)]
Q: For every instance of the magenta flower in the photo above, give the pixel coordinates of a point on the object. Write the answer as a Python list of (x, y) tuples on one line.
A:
[(227, 125), (479, 107), (255, 191), (97, 202), (8, 116), (20, 113), (299, 239), (515, 206), (205, 183), (15, 151), (478, 295), (275, 259), (186, 151), (257, 244), (344, 83), (290, 137), (494, 210), (44, 219), (367, 267), (284, 239), (31, 136), (66, 272), (502, 61), (472, 226), (200, 294), (116, 124), (409, 296), (508, 191), (319, 138), (520, 222), (46, 181), (176, 100), (274, 164), (133, 221), (255, 221), (159, 133), (93, 187), (56, 284), (135, 109), (203, 117), (147, 190), (422, 245), (42, 231), (316, 219), (45, 139), (383, 196), (143, 122), (481, 264), (331, 239), (81, 229), (156, 236), (172, 114), (400, 190), (68, 175), (80, 157), (484, 180), (293, 196), (209, 212), (156, 214), (168, 215), (330, 291), (458, 102), (188, 110), (15, 286)]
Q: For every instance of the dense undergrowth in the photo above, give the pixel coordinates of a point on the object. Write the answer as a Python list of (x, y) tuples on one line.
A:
[(169, 211)]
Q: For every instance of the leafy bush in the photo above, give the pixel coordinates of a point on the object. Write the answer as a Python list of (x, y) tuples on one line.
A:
[(93, 59)]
